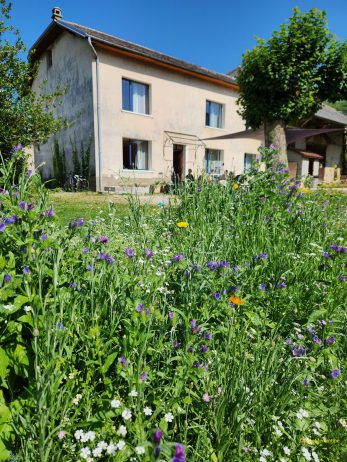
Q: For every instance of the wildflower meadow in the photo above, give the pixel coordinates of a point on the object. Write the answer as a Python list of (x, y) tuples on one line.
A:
[(209, 329)]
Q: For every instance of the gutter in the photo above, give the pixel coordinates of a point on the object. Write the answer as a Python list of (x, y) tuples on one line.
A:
[(98, 111)]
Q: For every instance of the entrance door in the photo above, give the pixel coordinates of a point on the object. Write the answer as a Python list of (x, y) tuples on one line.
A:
[(178, 163)]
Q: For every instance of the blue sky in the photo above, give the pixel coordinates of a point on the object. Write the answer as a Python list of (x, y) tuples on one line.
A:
[(213, 34)]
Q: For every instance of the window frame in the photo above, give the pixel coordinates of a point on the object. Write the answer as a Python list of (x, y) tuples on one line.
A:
[(129, 96), (132, 141), (206, 161), (207, 114)]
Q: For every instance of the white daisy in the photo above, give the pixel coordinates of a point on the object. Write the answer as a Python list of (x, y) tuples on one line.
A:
[(168, 417), (78, 434), (139, 450), (133, 393), (122, 431), (286, 451), (306, 454), (126, 414), (111, 449), (121, 445), (97, 452), (115, 403), (85, 453), (315, 456), (147, 411)]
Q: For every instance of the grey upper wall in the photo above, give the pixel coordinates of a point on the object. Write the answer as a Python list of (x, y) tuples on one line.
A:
[(71, 68)]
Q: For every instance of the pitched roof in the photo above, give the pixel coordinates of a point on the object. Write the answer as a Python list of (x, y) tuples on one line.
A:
[(98, 37), (331, 115)]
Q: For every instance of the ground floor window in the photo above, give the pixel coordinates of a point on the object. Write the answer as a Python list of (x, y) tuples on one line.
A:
[(248, 161), (214, 161), (135, 154)]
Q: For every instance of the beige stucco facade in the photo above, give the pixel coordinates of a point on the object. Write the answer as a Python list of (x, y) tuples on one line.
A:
[(177, 106)]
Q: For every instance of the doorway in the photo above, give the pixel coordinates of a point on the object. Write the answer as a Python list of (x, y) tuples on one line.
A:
[(178, 163)]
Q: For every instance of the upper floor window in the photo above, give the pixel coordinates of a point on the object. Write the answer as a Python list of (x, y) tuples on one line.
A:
[(214, 114), (135, 96)]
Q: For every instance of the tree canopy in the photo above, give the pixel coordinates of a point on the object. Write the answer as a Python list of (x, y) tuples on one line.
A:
[(288, 77), (25, 117)]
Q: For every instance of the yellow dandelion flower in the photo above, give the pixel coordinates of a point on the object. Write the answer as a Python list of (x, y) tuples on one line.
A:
[(182, 224), (236, 300), (235, 186)]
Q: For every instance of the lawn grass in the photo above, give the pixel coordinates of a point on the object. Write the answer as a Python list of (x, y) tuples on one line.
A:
[(69, 206)]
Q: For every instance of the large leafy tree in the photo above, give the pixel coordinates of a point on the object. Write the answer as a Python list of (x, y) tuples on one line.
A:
[(25, 117), (288, 77)]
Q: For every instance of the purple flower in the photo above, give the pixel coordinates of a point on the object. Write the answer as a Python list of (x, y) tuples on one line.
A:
[(342, 278), (2, 227), (139, 308), (262, 287), (305, 382), (204, 348), (194, 326), (10, 220), (190, 349), (178, 257), (157, 436), (300, 351), (73, 285), (223, 264), (76, 223), (179, 454), (171, 315), (196, 365), (335, 373), (196, 268), (261, 256), (85, 250), (31, 207), (326, 255), (22, 205), (212, 265), (175, 344), (143, 376), (7, 278), (149, 253), (123, 361), (109, 259), (103, 239), (129, 252), (60, 325), (44, 237), (330, 340), (282, 285), (216, 295), (18, 147), (89, 268), (26, 270), (49, 213), (207, 335), (316, 339)]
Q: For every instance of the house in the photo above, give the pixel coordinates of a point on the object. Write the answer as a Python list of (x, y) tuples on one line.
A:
[(146, 114), (322, 155)]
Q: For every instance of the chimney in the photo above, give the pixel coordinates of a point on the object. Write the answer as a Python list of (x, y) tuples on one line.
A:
[(56, 13)]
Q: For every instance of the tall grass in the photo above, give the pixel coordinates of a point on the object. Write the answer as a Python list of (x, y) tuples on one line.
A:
[(227, 333)]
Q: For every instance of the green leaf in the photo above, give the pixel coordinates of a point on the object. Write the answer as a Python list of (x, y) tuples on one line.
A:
[(4, 362), (109, 361)]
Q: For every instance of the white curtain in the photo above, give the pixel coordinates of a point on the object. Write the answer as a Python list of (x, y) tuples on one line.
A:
[(141, 155), (139, 97), (215, 115)]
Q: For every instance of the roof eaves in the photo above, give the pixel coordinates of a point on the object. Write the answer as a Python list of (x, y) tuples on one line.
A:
[(71, 28)]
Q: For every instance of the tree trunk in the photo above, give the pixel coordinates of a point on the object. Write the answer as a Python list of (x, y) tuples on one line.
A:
[(275, 133)]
